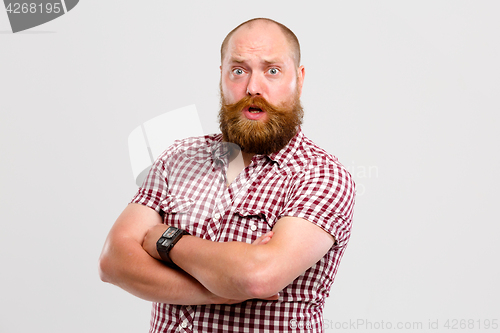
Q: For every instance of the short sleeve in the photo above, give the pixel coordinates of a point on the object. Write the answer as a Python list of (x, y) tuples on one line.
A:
[(154, 189), (324, 195)]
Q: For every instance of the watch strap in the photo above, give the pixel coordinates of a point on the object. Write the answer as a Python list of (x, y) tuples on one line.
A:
[(167, 241)]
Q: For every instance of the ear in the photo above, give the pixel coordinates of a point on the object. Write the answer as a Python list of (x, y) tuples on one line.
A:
[(301, 72)]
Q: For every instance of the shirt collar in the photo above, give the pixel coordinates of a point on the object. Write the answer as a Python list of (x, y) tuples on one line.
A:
[(217, 150), (283, 156)]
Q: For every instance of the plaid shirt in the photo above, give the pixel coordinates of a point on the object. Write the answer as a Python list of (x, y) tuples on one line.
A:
[(187, 186)]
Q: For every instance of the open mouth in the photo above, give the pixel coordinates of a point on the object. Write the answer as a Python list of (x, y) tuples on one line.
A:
[(254, 113), (254, 109)]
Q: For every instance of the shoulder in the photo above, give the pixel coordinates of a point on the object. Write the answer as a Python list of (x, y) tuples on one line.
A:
[(321, 189), (310, 159)]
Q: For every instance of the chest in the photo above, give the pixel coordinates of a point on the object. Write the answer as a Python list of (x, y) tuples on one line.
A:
[(221, 204)]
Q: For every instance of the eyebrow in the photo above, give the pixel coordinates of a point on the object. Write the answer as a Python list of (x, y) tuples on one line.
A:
[(267, 61), (236, 60), (273, 61)]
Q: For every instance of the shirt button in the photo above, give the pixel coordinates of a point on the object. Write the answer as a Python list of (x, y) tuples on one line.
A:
[(253, 227), (184, 324), (217, 216)]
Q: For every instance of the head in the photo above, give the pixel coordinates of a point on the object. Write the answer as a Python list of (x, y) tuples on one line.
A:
[(261, 84)]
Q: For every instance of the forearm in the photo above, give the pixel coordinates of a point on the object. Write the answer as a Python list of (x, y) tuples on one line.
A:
[(233, 269), (238, 270), (126, 264), (241, 270)]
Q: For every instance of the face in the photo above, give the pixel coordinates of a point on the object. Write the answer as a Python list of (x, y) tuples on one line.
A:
[(260, 87)]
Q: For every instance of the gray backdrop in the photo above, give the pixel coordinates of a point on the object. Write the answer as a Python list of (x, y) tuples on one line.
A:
[(404, 93)]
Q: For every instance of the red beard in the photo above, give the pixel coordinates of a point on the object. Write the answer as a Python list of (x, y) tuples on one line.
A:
[(256, 136)]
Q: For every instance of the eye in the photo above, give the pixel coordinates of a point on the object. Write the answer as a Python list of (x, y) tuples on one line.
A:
[(273, 71), (237, 71)]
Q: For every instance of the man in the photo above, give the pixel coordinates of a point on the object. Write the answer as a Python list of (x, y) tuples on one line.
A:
[(252, 238)]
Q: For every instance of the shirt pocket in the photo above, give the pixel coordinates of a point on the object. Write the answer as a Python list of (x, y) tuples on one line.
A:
[(176, 204), (247, 225), (177, 210)]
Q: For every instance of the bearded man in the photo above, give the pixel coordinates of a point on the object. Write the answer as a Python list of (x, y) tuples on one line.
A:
[(241, 231)]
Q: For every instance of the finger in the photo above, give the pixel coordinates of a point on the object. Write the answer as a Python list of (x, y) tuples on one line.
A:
[(267, 237), (273, 298), (264, 238)]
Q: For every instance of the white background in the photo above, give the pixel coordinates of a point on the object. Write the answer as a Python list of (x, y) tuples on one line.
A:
[(404, 93)]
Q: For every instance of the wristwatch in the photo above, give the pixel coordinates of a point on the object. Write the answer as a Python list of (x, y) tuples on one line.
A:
[(167, 241)]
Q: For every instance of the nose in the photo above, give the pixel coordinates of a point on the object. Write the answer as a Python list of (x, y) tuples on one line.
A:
[(254, 86)]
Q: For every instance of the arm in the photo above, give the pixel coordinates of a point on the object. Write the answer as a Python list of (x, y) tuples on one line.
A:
[(124, 262), (240, 270)]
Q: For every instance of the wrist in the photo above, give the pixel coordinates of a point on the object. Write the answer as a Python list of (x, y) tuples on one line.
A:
[(167, 242)]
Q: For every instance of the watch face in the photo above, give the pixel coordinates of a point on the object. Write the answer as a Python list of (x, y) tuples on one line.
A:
[(170, 232)]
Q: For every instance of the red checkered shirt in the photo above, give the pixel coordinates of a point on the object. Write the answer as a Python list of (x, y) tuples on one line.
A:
[(187, 186)]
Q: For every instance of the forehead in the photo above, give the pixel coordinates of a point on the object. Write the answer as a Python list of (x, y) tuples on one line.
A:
[(261, 39)]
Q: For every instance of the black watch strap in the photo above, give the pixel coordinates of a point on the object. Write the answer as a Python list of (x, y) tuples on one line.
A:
[(167, 241)]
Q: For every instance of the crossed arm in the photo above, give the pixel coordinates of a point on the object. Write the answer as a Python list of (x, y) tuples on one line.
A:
[(211, 272)]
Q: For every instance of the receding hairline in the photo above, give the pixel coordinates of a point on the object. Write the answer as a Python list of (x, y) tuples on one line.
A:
[(292, 40)]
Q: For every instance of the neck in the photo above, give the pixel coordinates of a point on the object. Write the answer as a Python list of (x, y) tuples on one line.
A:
[(247, 158), (236, 165)]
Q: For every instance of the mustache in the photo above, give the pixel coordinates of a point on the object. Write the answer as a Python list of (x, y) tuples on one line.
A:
[(255, 101)]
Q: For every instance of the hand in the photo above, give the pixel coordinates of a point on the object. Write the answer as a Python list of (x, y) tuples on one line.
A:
[(262, 240), (150, 239)]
